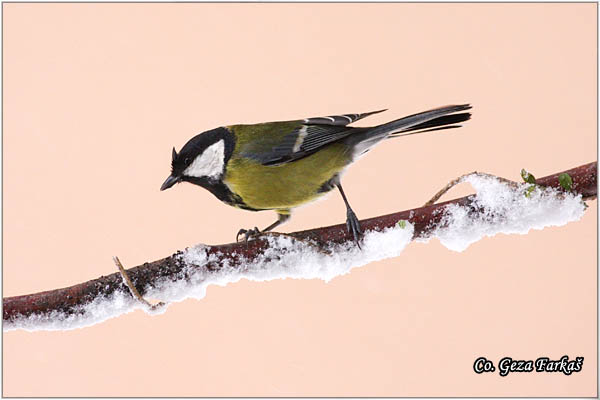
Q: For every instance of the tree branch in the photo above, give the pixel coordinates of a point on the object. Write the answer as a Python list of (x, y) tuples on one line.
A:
[(425, 220)]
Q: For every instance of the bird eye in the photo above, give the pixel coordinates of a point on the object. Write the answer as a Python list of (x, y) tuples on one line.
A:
[(187, 160)]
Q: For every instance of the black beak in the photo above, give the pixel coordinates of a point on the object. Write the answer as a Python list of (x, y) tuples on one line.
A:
[(171, 180)]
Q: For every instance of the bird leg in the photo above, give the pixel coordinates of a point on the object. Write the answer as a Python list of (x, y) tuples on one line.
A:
[(254, 233), (351, 221), (281, 218)]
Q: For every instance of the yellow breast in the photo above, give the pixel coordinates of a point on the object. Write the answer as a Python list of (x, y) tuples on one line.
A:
[(286, 185)]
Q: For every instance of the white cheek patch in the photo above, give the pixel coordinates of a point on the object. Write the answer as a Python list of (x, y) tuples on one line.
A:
[(209, 163)]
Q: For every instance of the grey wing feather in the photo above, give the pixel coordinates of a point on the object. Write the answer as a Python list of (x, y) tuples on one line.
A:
[(339, 120)]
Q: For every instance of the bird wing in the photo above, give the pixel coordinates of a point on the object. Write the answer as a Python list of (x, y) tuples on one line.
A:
[(282, 142)]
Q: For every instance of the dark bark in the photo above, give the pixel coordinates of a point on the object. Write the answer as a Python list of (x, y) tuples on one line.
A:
[(424, 219)]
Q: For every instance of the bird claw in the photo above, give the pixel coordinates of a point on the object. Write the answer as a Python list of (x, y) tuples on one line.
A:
[(248, 234), (353, 227)]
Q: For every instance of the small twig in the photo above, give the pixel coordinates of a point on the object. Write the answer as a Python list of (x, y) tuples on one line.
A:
[(133, 290), (460, 179)]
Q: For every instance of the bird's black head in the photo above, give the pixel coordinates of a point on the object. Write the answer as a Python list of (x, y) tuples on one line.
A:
[(202, 160)]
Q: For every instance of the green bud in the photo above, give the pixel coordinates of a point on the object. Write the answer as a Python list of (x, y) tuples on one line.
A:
[(565, 181), (527, 177)]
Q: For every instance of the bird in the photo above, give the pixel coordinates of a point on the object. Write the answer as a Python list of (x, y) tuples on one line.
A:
[(285, 164)]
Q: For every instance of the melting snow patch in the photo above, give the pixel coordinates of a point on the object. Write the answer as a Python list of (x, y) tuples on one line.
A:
[(504, 209), (99, 310), (286, 258)]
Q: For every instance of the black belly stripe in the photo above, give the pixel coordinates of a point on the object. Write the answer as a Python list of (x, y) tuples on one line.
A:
[(222, 192)]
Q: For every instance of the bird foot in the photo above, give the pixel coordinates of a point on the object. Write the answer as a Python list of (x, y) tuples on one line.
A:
[(248, 234), (353, 226)]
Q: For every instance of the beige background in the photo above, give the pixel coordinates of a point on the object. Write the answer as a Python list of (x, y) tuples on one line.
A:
[(96, 95)]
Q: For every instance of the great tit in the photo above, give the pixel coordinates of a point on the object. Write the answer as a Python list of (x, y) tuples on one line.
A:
[(281, 165)]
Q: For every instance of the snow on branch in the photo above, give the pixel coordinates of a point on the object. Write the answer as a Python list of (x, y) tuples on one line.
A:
[(499, 206)]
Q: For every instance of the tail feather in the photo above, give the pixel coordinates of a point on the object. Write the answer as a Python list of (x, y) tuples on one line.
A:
[(405, 123), (439, 123), (432, 120)]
